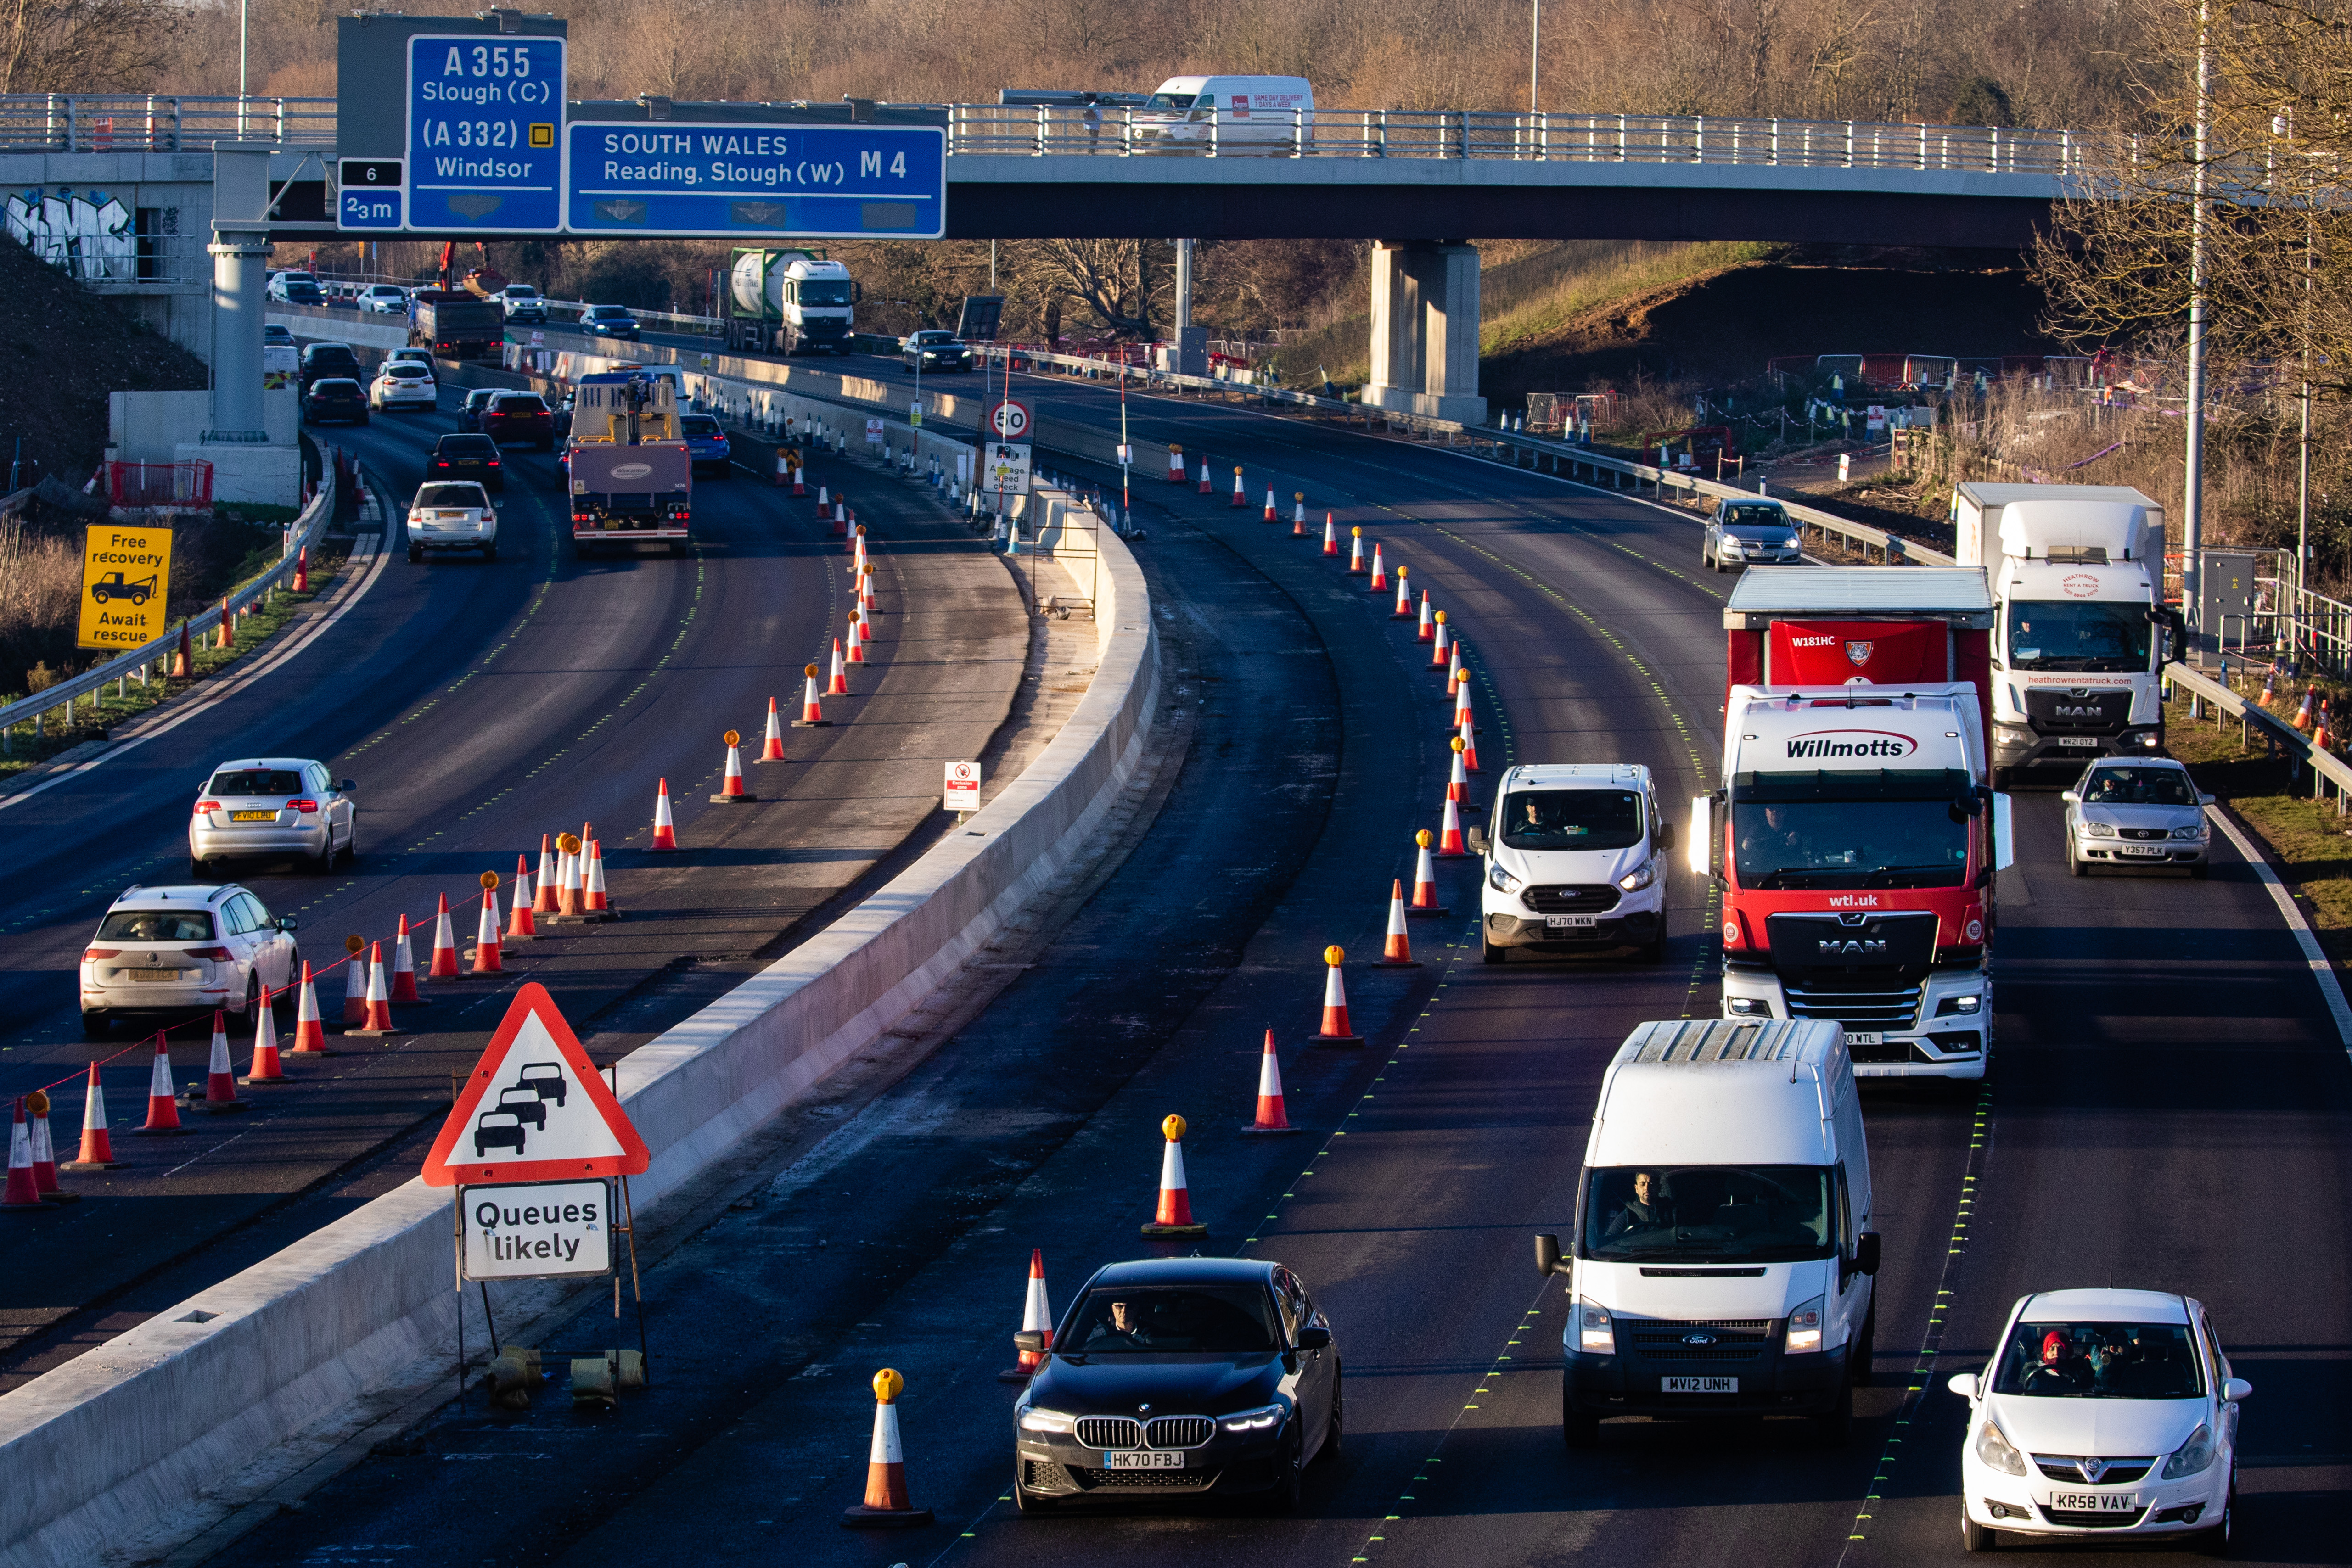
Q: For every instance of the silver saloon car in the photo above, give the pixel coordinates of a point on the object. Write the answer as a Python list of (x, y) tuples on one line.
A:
[(272, 808), (2137, 812)]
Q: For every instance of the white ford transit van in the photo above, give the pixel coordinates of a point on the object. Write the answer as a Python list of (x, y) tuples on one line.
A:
[(1231, 116), (1575, 860), (1722, 1253)]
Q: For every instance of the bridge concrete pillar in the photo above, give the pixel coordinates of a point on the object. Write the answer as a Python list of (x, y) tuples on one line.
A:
[(1425, 345), (240, 250)]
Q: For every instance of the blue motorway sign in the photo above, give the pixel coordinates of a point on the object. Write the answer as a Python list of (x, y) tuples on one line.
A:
[(804, 182), (483, 149), (369, 195)]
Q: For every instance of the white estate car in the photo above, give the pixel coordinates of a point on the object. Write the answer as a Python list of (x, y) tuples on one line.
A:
[(403, 384), (182, 952), (383, 299), (2106, 1415), (452, 514), (1574, 861), (2137, 812)]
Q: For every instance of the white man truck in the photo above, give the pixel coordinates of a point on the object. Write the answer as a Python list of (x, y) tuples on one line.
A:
[(789, 302), (1856, 834), (2081, 631)]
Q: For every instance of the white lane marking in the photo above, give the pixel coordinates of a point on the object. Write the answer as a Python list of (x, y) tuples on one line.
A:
[(214, 699), (2320, 969)]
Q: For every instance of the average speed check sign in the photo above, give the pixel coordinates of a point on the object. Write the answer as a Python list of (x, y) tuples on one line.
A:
[(1010, 420)]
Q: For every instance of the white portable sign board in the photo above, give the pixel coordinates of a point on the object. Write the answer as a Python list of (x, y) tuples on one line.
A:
[(873, 432), (963, 786), (1004, 469), (1009, 420), (535, 1230), (534, 1109)]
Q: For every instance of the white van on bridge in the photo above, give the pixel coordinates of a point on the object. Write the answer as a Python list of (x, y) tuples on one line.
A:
[(1228, 116)]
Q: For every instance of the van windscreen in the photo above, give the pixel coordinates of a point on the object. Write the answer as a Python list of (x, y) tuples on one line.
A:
[(1169, 100), (1709, 1214), (1573, 819)]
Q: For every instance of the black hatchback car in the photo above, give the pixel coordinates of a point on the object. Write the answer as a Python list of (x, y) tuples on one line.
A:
[(329, 359), (331, 398), (1176, 1377), (465, 457)]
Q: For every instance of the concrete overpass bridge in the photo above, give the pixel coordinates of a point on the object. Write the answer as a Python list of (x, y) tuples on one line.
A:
[(1419, 184)]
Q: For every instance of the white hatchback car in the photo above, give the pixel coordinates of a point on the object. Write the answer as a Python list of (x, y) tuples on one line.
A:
[(383, 299), (403, 384), (2106, 1415), (180, 952), (452, 514), (1575, 861), (421, 358), (273, 808), (2137, 812)]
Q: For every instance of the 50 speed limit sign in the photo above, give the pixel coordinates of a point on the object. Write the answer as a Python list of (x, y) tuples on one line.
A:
[(1010, 420)]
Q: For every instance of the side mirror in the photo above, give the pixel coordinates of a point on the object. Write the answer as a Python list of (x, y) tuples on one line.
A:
[(1702, 807), (2237, 1388), (2203, 799), (2005, 834), (1477, 840), (1865, 1252), (287, 923), (1030, 1341), (1314, 1336), (1966, 1384), (1548, 1259), (2072, 797), (1665, 836), (347, 786)]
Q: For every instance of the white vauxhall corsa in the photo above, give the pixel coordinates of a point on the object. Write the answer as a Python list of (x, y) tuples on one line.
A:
[(2105, 1414)]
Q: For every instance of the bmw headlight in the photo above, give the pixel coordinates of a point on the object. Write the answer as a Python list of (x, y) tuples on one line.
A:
[(1264, 1418), (1033, 1419), (1996, 1452), (1501, 880), (2192, 1455), (1805, 1329), (2099, 829), (1640, 877), (2194, 831)]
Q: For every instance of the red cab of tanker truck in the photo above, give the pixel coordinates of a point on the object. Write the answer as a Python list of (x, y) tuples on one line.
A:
[(1856, 834)]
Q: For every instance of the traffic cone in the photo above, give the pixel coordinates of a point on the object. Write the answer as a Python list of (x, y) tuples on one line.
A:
[(1425, 904), (355, 988), (182, 667), (1175, 466), (1355, 552), (772, 747), (840, 520), (1269, 506), (598, 904), (1331, 535), (824, 501), (811, 711), (1465, 738), (1461, 715), (1336, 1029), (310, 1030), (302, 569), (838, 685), (23, 1191), (2302, 714), (573, 900), (1271, 1117), (886, 1506), (1449, 835), (520, 927), (1437, 650), (665, 827), (1453, 678), (97, 1142), (1379, 583), (1403, 611), (1174, 1216), (856, 639), (404, 966), (1036, 1317), (1240, 498), (226, 636), (730, 784), (488, 958), (1457, 787), (45, 1153), (220, 1077), (2319, 737), (1397, 952), (1204, 476), (376, 1018), (865, 592), (1298, 515), (551, 880), (265, 1068), (2270, 687), (445, 947), (1428, 628), (162, 1094)]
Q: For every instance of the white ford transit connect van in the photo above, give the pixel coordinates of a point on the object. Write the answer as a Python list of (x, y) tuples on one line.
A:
[(1722, 1253), (1232, 116), (1575, 860)]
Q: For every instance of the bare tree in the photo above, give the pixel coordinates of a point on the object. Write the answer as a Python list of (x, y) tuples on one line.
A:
[(69, 46)]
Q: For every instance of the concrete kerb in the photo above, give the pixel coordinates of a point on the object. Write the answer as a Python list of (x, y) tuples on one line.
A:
[(102, 1447)]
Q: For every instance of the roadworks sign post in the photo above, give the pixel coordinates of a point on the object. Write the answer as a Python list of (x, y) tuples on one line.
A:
[(126, 578), (534, 1146)]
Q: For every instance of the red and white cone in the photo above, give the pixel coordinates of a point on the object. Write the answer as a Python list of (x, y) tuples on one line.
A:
[(355, 991), (1454, 678), (309, 1029), (265, 1067), (771, 745), (550, 880), (1240, 498), (1269, 506), (1175, 466), (857, 641), (1336, 1030), (1379, 583), (865, 592), (1449, 833), (1427, 630), (1271, 1115), (404, 966), (839, 684), (824, 501), (598, 902), (811, 705), (162, 1094), (730, 784), (1036, 1317), (840, 519), (1356, 552), (1403, 611), (97, 1142), (487, 959), (1462, 714), (520, 927), (1441, 651), (377, 1017), (2302, 714), (886, 1506), (445, 951), (571, 898), (1467, 738), (302, 569), (665, 826), (1174, 1214), (220, 1076), (45, 1153), (1396, 952), (1331, 535), (1204, 476), (23, 1191), (1425, 903), (1298, 515), (1457, 787)]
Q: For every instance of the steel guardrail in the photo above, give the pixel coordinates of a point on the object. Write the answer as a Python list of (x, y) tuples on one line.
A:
[(2278, 731), (154, 122)]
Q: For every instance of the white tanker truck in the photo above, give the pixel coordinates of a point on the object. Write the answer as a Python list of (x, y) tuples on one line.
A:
[(789, 302)]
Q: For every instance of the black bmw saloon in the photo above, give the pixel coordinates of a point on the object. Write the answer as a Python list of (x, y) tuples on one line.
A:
[(1178, 1377)]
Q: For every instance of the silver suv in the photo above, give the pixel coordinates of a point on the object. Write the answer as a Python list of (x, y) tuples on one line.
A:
[(1750, 531), (182, 952), (273, 808)]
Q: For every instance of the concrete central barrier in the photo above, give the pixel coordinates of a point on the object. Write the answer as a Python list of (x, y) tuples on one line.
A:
[(97, 1451)]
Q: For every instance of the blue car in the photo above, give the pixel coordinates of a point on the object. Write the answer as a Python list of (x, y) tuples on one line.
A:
[(608, 322), (707, 443)]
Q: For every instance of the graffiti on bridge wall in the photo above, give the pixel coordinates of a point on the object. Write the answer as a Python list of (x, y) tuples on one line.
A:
[(88, 234)]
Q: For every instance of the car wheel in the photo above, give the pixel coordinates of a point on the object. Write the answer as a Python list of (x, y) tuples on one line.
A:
[(352, 847), (1290, 1480), (252, 994), (1835, 1424), (2075, 863), (2197, 872), (1975, 1537), (1577, 1428), (1490, 954), (490, 552), (324, 862), (1334, 1430), (416, 554), (96, 1026), (1027, 1501)]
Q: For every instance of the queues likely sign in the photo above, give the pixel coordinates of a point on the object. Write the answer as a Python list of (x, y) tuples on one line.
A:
[(126, 576), (536, 1231)]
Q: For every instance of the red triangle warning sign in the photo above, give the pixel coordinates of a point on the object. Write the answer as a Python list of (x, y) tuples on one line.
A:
[(534, 1109)]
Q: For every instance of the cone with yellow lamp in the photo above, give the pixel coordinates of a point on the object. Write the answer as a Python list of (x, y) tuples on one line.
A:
[(1173, 1218), (886, 1506)]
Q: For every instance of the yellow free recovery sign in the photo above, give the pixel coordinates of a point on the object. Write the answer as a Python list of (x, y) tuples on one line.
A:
[(126, 575)]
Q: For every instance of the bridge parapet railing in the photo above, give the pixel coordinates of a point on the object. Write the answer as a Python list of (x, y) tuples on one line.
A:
[(147, 122)]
